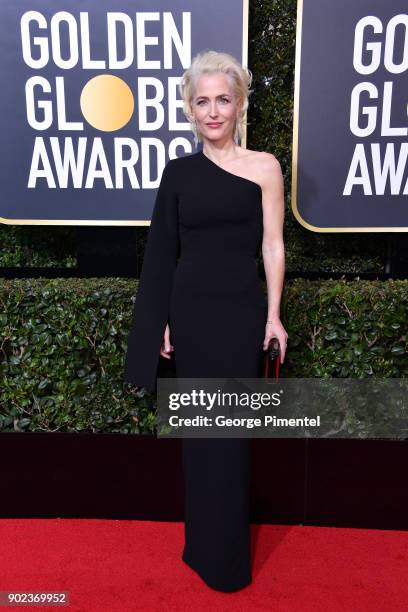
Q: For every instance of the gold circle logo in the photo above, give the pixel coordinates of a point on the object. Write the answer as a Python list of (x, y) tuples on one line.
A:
[(107, 102)]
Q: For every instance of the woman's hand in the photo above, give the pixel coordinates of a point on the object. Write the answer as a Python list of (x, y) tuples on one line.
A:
[(275, 329), (166, 348)]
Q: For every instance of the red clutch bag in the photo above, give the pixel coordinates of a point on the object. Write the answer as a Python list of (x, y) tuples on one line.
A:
[(272, 360)]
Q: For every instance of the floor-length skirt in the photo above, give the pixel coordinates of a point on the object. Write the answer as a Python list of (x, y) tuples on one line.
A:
[(217, 470)]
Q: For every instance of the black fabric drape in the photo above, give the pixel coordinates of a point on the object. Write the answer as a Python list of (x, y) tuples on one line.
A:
[(151, 307)]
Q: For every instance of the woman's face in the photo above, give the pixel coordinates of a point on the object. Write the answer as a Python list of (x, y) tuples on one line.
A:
[(215, 107)]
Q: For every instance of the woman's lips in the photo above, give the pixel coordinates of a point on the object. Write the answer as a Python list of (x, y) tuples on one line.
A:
[(214, 125)]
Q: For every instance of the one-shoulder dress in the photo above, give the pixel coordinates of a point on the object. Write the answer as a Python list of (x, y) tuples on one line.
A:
[(200, 275)]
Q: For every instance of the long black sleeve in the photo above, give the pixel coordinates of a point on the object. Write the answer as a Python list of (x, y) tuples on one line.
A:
[(151, 307)]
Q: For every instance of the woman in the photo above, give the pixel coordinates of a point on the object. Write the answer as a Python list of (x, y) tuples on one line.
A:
[(200, 301)]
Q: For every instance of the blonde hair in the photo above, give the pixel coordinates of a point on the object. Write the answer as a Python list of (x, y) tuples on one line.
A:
[(212, 62)]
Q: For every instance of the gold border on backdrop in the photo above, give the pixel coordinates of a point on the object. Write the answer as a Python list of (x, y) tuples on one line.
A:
[(295, 210), (131, 222)]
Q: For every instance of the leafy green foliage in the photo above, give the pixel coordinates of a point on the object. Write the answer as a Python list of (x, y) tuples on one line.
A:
[(49, 246), (347, 329), (63, 343)]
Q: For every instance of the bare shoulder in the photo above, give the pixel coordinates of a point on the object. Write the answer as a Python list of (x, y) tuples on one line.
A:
[(268, 162), (267, 168), (264, 159), (262, 156)]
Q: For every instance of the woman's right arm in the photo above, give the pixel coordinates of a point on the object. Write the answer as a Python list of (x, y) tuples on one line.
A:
[(151, 307)]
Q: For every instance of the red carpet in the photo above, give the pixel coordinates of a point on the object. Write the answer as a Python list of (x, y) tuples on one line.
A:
[(110, 566)]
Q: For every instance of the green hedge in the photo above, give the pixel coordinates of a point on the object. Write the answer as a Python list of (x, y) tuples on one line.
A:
[(63, 343), (43, 246), (271, 57)]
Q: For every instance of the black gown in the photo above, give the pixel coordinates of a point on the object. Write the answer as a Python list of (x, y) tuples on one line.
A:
[(200, 274)]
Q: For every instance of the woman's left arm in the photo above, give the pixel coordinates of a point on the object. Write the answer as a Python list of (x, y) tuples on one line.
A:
[(273, 250)]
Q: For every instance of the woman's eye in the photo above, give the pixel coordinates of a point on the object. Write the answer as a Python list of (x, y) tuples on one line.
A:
[(200, 102)]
